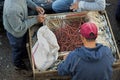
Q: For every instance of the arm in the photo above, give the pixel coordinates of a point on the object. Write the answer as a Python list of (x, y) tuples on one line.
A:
[(84, 5), (64, 67), (110, 55), (34, 6), (31, 4), (68, 65), (18, 23), (97, 5)]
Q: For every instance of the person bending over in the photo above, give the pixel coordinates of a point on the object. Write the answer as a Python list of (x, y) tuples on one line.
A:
[(92, 61), (16, 23)]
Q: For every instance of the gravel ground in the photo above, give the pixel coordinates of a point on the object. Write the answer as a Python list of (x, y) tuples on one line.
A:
[(7, 71)]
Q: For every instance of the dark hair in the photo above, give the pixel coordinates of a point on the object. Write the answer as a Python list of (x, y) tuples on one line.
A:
[(92, 35)]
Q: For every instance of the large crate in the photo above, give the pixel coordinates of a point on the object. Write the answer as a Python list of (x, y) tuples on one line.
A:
[(53, 21)]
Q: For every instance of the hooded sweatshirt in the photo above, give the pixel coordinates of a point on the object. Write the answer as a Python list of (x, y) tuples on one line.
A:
[(88, 64), (15, 17)]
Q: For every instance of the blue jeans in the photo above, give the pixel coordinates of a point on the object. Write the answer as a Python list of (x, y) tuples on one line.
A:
[(18, 49), (60, 6)]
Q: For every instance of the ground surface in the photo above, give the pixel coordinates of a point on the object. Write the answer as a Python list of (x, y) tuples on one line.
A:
[(7, 71)]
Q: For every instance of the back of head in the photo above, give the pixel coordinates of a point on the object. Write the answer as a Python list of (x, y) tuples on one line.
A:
[(89, 30)]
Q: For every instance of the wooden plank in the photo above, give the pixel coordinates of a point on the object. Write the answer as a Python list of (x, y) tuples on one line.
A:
[(30, 54), (118, 53)]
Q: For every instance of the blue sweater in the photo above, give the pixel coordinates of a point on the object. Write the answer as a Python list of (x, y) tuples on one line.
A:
[(88, 64)]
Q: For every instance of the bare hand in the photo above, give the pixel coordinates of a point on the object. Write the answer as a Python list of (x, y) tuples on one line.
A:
[(40, 10), (74, 6), (41, 18), (49, 1), (65, 56)]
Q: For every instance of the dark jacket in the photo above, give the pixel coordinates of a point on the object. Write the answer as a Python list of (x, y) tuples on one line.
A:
[(88, 64)]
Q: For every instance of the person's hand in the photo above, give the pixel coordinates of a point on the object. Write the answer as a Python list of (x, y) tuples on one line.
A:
[(65, 56), (74, 6), (49, 1), (41, 18), (40, 10)]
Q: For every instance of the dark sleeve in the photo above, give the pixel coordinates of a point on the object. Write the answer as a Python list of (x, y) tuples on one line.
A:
[(110, 56), (31, 4), (64, 67)]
